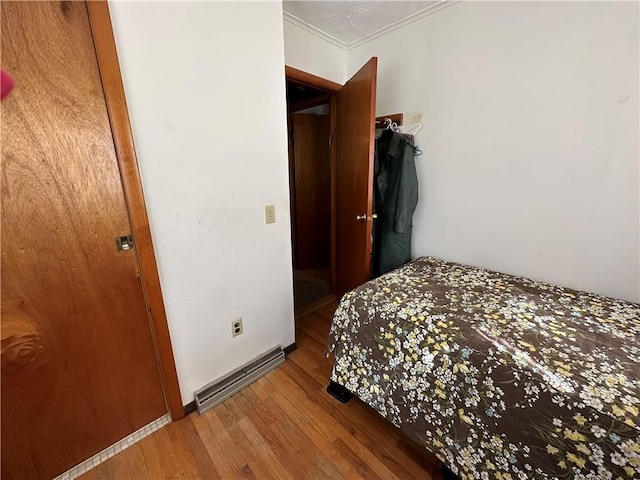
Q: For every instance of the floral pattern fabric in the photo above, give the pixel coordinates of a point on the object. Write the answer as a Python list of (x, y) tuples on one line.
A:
[(499, 376)]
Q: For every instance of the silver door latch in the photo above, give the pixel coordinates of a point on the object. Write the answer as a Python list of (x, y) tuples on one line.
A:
[(124, 242)]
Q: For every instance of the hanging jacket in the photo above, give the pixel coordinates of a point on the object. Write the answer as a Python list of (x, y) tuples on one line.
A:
[(395, 200)]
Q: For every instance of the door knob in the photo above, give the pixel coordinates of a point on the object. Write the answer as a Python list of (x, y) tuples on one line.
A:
[(365, 218)]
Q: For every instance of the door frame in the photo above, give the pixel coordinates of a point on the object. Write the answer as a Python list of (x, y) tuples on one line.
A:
[(111, 78), (331, 88)]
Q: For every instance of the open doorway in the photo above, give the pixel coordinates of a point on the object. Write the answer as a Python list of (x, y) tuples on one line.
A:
[(351, 114), (309, 110)]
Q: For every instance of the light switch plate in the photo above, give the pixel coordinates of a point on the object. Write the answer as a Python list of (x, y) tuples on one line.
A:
[(269, 214)]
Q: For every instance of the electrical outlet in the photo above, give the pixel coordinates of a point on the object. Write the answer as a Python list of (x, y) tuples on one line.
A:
[(269, 214), (236, 327)]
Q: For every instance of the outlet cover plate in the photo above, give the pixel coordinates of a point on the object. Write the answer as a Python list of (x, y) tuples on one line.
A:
[(236, 327)]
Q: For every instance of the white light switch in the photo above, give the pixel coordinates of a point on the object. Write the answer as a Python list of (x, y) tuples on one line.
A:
[(269, 214)]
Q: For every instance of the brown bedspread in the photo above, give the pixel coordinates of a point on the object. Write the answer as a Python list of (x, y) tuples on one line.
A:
[(499, 376)]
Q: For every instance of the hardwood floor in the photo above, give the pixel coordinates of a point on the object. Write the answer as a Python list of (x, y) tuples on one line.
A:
[(283, 426)]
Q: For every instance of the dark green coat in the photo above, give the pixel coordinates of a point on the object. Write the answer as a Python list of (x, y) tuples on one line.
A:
[(395, 199)]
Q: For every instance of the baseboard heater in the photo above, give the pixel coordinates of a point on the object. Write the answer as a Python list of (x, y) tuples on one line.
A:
[(219, 390)]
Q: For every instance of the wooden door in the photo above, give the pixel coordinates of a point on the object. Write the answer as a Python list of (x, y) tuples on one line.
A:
[(312, 190), (355, 143), (79, 368)]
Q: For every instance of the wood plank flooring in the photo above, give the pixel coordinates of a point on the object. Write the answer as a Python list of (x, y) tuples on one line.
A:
[(284, 426)]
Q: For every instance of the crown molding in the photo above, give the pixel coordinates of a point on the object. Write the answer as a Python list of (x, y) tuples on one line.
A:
[(442, 4), (314, 30), (404, 22)]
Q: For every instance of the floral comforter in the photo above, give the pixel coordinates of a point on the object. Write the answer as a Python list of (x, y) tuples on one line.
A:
[(499, 376)]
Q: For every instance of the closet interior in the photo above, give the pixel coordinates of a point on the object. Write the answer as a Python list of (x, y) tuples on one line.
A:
[(308, 122)]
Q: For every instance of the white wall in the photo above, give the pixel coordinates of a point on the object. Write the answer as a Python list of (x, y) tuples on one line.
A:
[(206, 94), (312, 54), (530, 138)]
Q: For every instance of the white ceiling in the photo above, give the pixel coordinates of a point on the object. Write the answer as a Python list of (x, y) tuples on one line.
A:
[(349, 22)]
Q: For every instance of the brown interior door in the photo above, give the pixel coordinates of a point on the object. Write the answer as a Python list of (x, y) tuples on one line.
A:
[(313, 190), (355, 142), (79, 368)]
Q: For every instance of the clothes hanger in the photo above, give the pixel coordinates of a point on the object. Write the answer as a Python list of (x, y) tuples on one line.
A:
[(408, 130), (411, 129)]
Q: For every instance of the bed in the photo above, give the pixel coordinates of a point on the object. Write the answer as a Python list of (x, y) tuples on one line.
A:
[(498, 376)]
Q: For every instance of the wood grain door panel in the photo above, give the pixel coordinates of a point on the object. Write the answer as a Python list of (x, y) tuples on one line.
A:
[(79, 368), (355, 142), (313, 190)]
